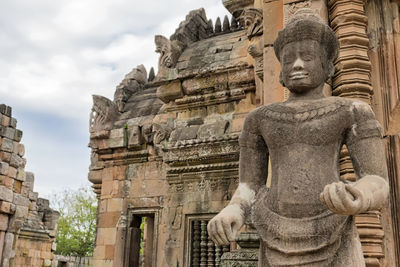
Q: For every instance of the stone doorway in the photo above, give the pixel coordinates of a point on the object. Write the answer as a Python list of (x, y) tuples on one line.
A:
[(141, 239)]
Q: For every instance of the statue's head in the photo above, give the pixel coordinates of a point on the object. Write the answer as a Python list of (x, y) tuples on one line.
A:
[(306, 49)]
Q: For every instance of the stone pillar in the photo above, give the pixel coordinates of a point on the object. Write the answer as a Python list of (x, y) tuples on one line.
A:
[(273, 22), (353, 67), (384, 52), (353, 79)]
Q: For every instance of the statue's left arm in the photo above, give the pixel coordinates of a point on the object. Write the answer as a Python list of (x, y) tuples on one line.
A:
[(370, 191), (253, 172)]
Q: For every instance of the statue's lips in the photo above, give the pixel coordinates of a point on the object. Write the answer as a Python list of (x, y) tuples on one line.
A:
[(298, 75)]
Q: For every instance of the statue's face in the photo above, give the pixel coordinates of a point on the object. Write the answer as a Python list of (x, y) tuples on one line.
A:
[(302, 68)]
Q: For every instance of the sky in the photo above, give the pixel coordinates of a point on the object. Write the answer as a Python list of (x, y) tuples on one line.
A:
[(54, 54)]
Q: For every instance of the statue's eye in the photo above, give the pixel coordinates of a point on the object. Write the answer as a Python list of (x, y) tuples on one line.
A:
[(287, 60), (308, 57)]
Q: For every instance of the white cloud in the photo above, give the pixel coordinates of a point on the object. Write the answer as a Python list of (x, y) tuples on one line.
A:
[(55, 54)]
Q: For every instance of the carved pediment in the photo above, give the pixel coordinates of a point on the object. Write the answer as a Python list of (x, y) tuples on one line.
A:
[(103, 115)]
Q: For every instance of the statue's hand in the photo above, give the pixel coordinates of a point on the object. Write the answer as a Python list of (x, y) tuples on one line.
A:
[(224, 226), (343, 199)]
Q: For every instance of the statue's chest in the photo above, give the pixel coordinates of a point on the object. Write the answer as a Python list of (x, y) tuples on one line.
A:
[(315, 127)]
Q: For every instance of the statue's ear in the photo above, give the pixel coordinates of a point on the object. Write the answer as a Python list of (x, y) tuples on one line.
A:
[(330, 70), (281, 79)]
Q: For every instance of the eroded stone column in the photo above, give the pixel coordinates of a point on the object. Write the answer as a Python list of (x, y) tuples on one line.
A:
[(353, 67), (353, 79)]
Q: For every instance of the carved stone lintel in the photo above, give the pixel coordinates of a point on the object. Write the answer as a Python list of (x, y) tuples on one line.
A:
[(252, 20), (103, 115)]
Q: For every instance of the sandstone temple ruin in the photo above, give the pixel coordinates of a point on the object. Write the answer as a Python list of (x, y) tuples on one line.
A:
[(27, 223), (165, 150)]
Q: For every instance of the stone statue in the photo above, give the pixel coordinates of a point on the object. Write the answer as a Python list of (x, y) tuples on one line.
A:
[(305, 217)]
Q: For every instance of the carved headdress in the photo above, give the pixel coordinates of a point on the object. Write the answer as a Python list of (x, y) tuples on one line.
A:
[(306, 25)]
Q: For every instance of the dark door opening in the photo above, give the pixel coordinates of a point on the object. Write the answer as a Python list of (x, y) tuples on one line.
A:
[(141, 240)]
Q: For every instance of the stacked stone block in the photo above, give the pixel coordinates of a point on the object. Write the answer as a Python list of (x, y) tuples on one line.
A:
[(27, 229), (13, 193)]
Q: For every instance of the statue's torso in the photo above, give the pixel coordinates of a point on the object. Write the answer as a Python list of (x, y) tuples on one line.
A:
[(304, 141)]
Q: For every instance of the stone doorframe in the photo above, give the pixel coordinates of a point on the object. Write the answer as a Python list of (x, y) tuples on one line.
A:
[(154, 213)]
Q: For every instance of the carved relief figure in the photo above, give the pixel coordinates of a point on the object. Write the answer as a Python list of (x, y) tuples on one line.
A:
[(305, 217)]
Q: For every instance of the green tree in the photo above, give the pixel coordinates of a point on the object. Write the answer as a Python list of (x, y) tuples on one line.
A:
[(77, 223)]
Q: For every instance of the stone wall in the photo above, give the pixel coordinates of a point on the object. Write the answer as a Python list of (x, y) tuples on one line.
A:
[(383, 30), (168, 154), (27, 224)]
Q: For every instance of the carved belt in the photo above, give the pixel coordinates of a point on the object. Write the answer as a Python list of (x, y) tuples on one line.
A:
[(294, 241)]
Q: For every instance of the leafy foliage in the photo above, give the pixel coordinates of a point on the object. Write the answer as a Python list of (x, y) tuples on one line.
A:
[(142, 234), (77, 223)]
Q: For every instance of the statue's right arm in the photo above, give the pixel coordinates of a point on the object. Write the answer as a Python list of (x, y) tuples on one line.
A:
[(253, 172)]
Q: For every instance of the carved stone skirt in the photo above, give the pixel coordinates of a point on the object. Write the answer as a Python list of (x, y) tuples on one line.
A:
[(324, 240)]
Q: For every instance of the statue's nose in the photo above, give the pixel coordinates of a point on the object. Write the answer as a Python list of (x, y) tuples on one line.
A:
[(298, 64)]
